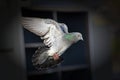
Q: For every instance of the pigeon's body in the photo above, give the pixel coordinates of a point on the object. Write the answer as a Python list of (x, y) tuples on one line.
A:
[(55, 36)]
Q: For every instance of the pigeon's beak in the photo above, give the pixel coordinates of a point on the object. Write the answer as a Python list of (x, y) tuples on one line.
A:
[(81, 38)]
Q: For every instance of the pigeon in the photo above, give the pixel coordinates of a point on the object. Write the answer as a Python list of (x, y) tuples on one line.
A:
[(56, 40)]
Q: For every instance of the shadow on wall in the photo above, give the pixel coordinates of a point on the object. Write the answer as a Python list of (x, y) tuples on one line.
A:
[(9, 69)]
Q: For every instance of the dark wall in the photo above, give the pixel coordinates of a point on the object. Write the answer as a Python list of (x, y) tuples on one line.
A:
[(108, 9)]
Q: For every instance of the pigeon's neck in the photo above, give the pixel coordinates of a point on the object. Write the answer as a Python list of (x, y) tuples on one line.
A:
[(69, 37)]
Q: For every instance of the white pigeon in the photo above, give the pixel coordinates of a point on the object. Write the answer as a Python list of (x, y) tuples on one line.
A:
[(56, 40)]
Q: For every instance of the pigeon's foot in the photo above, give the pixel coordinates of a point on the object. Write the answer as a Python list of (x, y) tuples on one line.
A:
[(56, 56)]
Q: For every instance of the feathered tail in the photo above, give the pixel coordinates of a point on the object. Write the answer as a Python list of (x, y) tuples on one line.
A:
[(40, 56), (41, 60)]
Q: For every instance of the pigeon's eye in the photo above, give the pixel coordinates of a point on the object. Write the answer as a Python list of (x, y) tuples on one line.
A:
[(78, 35)]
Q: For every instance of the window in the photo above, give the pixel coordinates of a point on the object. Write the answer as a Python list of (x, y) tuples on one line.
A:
[(75, 58)]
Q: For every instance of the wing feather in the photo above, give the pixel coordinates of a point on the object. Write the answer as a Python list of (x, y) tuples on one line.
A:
[(47, 29), (35, 25)]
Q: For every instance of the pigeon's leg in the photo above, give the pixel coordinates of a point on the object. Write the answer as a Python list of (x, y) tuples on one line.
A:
[(56, 56)]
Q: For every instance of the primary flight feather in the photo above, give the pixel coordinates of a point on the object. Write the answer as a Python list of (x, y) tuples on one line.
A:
[(56, 40)]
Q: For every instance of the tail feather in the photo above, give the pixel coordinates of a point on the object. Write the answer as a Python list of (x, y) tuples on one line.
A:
[(41, 60), (40, 55)]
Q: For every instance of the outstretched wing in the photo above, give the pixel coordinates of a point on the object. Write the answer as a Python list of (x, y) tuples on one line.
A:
[(47, 29)]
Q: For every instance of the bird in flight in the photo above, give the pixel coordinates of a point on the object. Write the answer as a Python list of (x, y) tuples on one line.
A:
[(56, 40)]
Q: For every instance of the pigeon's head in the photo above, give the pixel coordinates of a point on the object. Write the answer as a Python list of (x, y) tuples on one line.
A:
[(77, 36), (74, 37)]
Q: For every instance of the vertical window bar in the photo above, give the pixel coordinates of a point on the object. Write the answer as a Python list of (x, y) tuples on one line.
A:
[(55, 15)]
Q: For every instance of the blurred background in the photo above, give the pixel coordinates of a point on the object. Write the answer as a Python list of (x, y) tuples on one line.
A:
[(95, 58)]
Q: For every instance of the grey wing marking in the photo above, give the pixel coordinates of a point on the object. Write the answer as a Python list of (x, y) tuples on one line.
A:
[(63, 27)]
